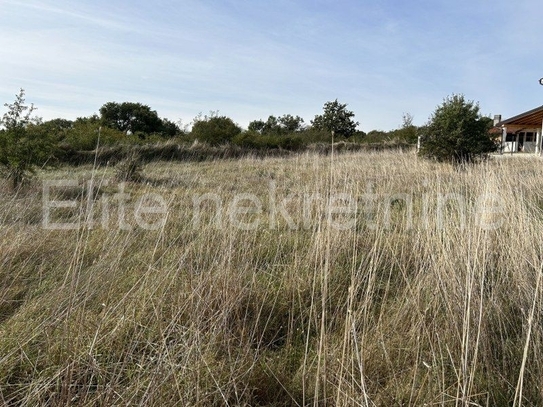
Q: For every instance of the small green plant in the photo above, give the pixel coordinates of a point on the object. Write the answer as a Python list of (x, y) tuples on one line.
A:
[(23, 143)]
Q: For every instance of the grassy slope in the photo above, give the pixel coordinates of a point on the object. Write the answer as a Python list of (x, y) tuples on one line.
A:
[(387, 312)]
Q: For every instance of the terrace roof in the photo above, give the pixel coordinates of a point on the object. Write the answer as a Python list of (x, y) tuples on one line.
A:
[(531, 118)]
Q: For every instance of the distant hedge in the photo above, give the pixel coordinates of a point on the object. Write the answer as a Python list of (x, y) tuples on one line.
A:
[(171, 151)]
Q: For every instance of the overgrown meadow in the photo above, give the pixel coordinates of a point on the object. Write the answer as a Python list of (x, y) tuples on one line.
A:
[(371, 279)]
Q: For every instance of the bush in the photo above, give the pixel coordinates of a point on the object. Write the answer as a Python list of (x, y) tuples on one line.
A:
[(254, 140), (291, 143), (215, 130), (87, 135), (314, 135), (249, 139), (23, 143), (457, 132)]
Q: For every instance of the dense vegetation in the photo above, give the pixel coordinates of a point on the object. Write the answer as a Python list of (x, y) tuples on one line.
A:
[(121, 128)]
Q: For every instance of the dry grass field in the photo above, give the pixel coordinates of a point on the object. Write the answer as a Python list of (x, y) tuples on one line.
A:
[(371, 279)]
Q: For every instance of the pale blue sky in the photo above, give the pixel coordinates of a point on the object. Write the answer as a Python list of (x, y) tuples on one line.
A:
[(250, 59)]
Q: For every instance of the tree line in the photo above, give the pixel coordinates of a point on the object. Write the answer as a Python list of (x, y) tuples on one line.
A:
[(131, 122), (27, 142)]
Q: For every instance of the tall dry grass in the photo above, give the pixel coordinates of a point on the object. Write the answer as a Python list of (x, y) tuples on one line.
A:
[(429, 296)]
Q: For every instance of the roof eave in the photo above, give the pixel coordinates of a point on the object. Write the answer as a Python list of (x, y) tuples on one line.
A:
[(513, 119)]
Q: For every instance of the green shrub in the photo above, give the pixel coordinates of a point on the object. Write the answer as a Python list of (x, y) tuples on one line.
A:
[(215, 130), (292, 142), (87, 135), (23, 143), (249, 139), (457, 132), (254, 140)]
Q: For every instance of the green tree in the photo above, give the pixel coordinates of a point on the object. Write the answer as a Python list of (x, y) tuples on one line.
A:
[(291, 124), (457, 132), (214, 129), (169, 128), (283, 125), (257, 126), (23, 142), (135, 118), (272, 126), (337, 119)]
